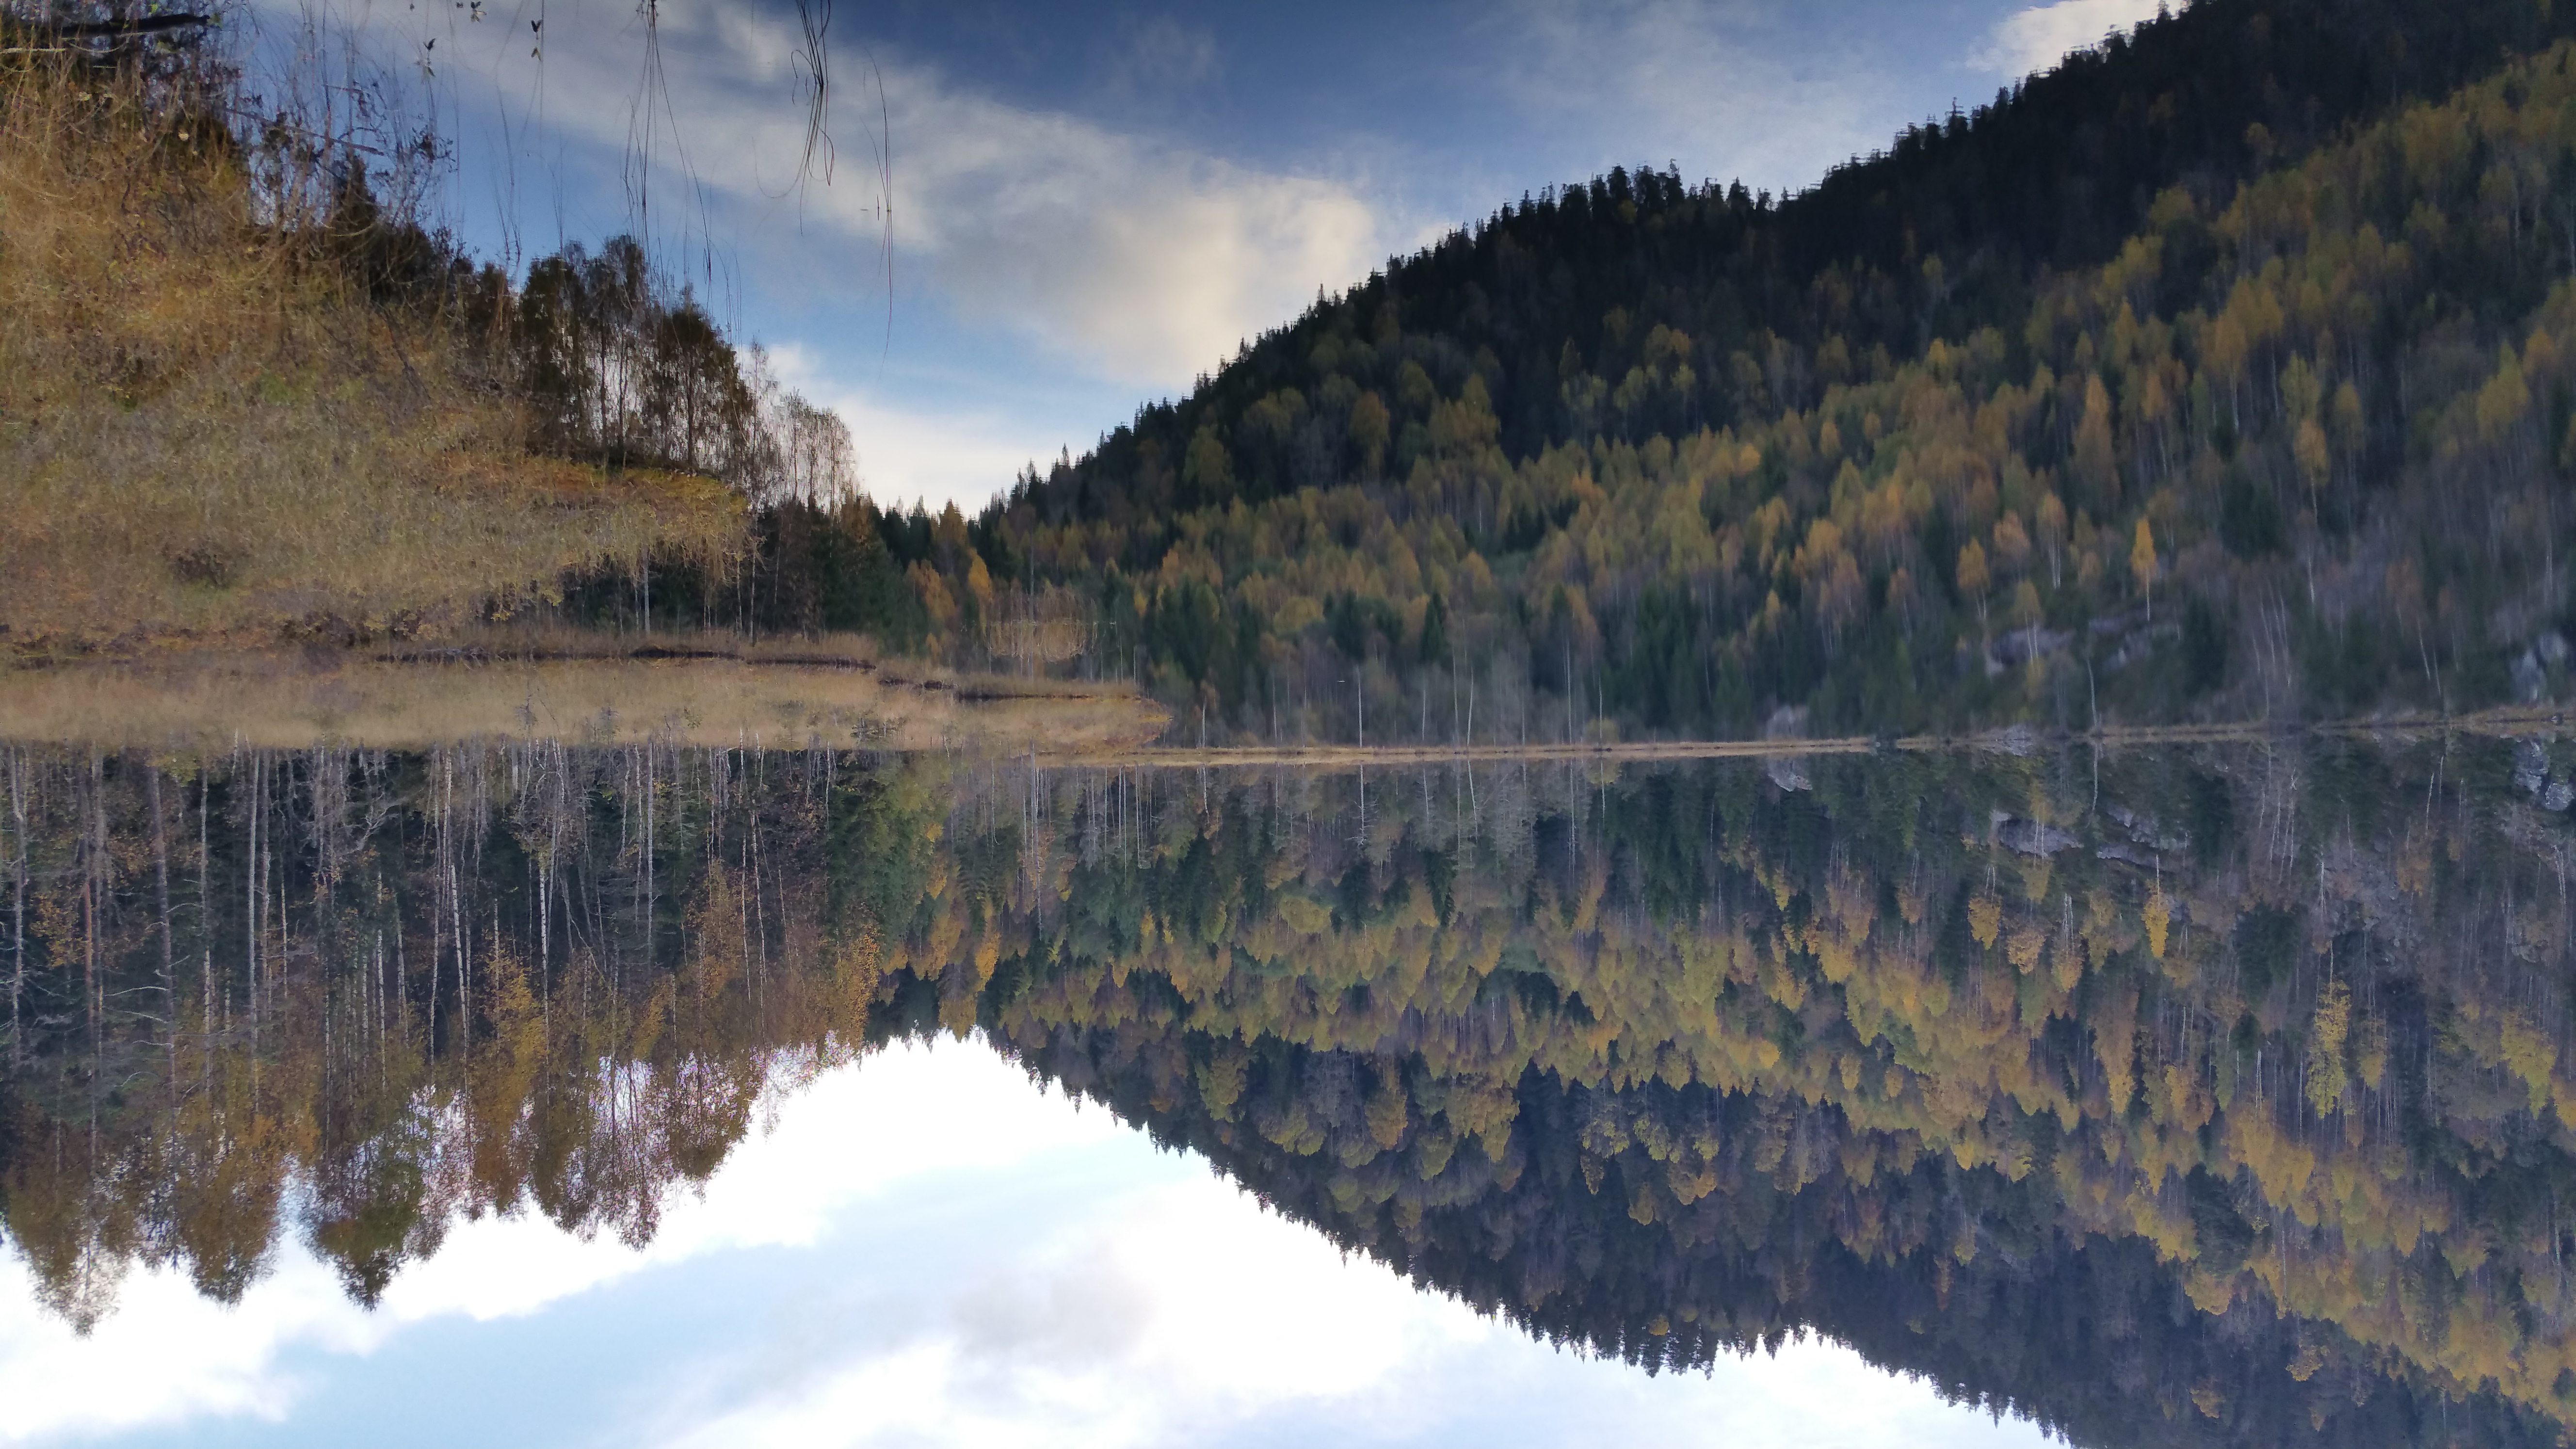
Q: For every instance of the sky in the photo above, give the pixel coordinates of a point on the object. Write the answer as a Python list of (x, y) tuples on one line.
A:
[(925, 1248), (1029, 219)]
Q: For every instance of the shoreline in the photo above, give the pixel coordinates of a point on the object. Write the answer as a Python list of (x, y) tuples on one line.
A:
[(803, 694), (2011, 740), (798, 700)]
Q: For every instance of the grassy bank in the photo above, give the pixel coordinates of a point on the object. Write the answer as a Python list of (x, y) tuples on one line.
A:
[(212, 434), (786, 696)]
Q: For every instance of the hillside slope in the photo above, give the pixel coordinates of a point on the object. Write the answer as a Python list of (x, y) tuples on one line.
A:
[(214, 433), (1649, 457)]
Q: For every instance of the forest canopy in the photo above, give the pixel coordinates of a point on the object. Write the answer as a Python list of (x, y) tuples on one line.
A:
[(2216, 373)]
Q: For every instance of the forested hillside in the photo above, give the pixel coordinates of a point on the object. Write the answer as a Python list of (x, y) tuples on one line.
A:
[(2217, 373)]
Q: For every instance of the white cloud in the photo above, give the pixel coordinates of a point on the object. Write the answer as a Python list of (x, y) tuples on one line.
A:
[(907, 452), (1138, 258), (1160, 58), (1725, 88), (2033, 40), (1150, 262)]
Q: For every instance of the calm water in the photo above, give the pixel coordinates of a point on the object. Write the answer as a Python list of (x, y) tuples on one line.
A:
[(541, 1094)]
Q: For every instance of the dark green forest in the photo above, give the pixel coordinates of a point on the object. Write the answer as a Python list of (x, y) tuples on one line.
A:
[(2215, 374)]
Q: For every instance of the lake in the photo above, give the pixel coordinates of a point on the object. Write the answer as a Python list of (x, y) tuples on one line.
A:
[(538, 1090)]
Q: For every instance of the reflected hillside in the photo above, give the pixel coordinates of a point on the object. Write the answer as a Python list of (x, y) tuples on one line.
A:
[(2212, 1097), (2058, 1090)]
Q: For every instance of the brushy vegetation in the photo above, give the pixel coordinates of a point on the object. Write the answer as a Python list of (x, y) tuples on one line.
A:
[(214, 431)]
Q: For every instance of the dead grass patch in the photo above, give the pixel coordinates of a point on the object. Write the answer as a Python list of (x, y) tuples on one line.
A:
[(294, 699), (548, 640), (206, 436)]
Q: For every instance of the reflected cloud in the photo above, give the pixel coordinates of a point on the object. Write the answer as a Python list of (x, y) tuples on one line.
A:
[(855, 1135), (207, 1362), (1181, 1312), (1137, 1301)]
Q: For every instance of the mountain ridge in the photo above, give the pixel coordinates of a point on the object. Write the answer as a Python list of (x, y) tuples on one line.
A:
[(1441, 406)]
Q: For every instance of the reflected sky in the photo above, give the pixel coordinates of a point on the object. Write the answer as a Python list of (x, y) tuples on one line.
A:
[(924, 1249)]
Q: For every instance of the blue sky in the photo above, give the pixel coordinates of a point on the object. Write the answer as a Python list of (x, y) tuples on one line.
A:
[(1092, 204), (922, 1249)]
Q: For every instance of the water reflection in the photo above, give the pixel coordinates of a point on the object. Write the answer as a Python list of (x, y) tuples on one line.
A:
[(2179, 1097), (921, 1249)]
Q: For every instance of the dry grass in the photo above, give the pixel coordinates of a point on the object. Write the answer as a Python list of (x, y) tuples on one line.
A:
[(293, 699), (550, 641), (202, 438)]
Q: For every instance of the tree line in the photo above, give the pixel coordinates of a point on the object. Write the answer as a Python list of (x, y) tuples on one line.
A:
[(2191, 380)]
